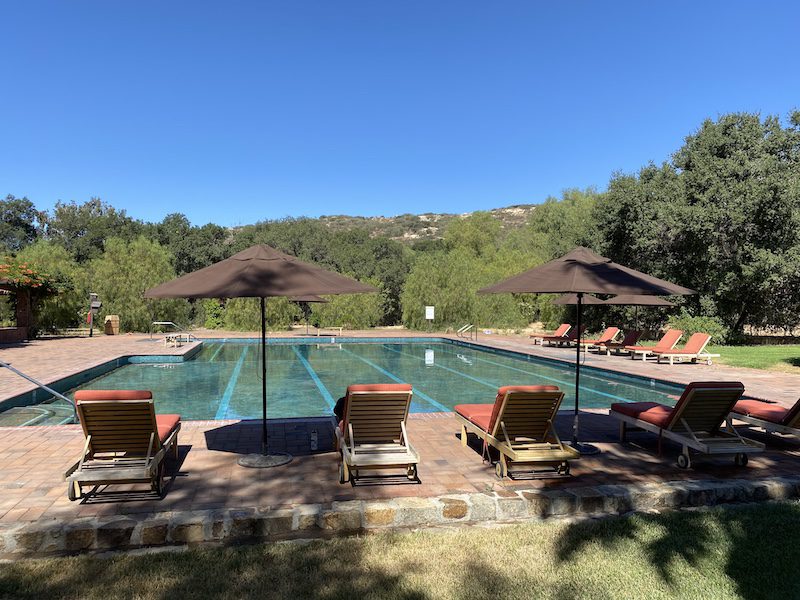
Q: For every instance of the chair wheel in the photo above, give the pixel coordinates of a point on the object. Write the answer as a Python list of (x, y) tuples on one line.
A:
[(73, 491), (563, 469), (411, 472), (740, 459), (498, 469), (684, 462)]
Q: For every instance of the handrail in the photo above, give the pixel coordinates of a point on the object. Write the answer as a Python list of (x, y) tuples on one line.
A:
[(43, 386), (175, 325), (466, 331)]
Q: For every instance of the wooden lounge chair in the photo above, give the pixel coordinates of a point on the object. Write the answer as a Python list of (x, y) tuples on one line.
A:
[(629, 339), (694, 423), (568, 339), (520, 425), (772, 418), (557, 334), (126, 442), (607, 336), (667, 342), (372, 434), (692, 350)]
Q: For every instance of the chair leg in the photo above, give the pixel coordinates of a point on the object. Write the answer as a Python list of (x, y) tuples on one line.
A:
[(175, 448), (623, 430), (463, 435)]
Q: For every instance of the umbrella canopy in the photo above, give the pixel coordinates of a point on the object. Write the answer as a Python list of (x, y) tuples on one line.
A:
[(573, 299), (258, 272), (582, 271), (633, 300), (308, 298)]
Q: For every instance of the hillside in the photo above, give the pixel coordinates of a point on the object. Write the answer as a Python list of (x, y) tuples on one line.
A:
[(427, 226)]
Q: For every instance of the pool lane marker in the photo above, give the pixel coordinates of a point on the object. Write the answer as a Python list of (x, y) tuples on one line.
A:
[(561, 381), (320, 386), (217, 351), (228, 394), (475, 379), (396, 379)]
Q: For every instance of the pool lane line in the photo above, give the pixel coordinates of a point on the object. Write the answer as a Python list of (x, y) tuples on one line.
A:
[(320, 386), (567, 383), (217, 351), (475, 379), (396, 379), (222, 409)]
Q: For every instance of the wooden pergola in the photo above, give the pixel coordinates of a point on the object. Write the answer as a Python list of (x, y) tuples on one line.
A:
[(24, 316)]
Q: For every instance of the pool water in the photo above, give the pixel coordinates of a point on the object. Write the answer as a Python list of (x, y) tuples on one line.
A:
[(223, 381)]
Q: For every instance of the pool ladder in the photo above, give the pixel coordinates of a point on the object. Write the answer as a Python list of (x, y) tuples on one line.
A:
[(46, 413)]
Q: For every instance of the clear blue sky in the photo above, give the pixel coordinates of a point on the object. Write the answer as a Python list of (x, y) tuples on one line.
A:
[(237, 111)]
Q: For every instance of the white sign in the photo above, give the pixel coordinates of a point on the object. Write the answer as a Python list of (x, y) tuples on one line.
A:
[(429, 313)]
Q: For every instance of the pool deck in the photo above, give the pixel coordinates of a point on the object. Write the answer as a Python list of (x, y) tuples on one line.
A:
[(208, 478)]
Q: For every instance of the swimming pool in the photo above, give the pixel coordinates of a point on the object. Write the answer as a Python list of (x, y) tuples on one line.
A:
[(223, 381)]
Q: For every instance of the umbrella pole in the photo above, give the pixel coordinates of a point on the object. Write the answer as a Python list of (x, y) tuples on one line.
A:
[(582, 448), (264, 460), (577, 370)]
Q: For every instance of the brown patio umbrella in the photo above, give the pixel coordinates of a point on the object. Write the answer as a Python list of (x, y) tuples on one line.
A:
[(582, 271), (259, 272), (573, 299), (637, 301), (304, 301)]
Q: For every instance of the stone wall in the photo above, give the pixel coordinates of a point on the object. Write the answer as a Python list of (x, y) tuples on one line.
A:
[(52, 537)]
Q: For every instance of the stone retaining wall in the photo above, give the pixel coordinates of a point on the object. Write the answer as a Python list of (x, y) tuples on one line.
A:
[(52, 537)]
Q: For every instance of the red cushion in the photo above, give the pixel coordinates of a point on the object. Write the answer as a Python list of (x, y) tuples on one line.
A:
[(774, 413), (166, 424), (479, 414), (649, 412), (113, 395), (485, 415)]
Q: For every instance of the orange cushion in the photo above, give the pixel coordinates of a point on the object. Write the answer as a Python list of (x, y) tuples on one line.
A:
[(166, 424), (649, 412), (774, 413), (113, 395), (478, 414)]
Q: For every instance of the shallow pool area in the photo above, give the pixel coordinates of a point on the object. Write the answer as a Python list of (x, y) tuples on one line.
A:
[(223, 380)]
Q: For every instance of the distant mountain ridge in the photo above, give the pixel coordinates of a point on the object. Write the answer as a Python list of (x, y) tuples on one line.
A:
[(427, 226)]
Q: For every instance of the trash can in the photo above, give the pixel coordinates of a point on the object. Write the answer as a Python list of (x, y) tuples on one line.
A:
[(112, 325)]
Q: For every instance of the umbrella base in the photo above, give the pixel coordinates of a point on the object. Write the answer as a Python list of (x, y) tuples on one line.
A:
[(586, 449), (265, 461)]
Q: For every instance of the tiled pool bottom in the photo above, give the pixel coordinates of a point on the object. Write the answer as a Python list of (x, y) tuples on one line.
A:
[(223, 381)]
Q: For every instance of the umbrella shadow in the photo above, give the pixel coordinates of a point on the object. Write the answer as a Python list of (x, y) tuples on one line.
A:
[(302, 436)]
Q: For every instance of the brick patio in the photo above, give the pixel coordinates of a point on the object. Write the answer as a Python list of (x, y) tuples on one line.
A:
[(208, 478)]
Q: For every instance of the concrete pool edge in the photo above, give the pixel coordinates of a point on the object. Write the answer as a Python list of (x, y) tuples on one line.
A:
[(248, 524)]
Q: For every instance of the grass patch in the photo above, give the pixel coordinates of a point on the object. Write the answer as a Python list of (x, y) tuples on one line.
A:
[(784, 358), (733, 552)]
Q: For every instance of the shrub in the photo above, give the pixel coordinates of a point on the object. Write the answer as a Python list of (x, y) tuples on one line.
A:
[(690, 324)]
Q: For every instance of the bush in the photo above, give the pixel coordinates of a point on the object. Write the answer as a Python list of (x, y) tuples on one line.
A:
[(213, 313), (700, 324)]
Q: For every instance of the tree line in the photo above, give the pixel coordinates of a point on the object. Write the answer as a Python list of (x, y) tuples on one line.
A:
[(721, 215)]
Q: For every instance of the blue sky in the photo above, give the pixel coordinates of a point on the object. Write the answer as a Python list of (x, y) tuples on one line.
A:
[(237, 111)]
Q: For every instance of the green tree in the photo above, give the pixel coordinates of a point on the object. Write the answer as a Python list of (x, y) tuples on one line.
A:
[(20, 223), (193, 247), (122, 275), (723, 217), (354, 311), (83, 229), (244, 314)]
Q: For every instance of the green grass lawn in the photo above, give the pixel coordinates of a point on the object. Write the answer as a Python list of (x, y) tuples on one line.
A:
[(773, 358), (735, 552)]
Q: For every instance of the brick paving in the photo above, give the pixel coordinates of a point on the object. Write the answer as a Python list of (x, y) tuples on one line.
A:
[(207, 476)]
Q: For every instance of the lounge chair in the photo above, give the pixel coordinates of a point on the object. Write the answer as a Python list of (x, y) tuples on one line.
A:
[(607, 336), (372, 434), (520, 425), (126, 442), (557, 334), (694, 422), (629, 339), (568, 339), (773, 418), (667, 342), (692, 350)]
